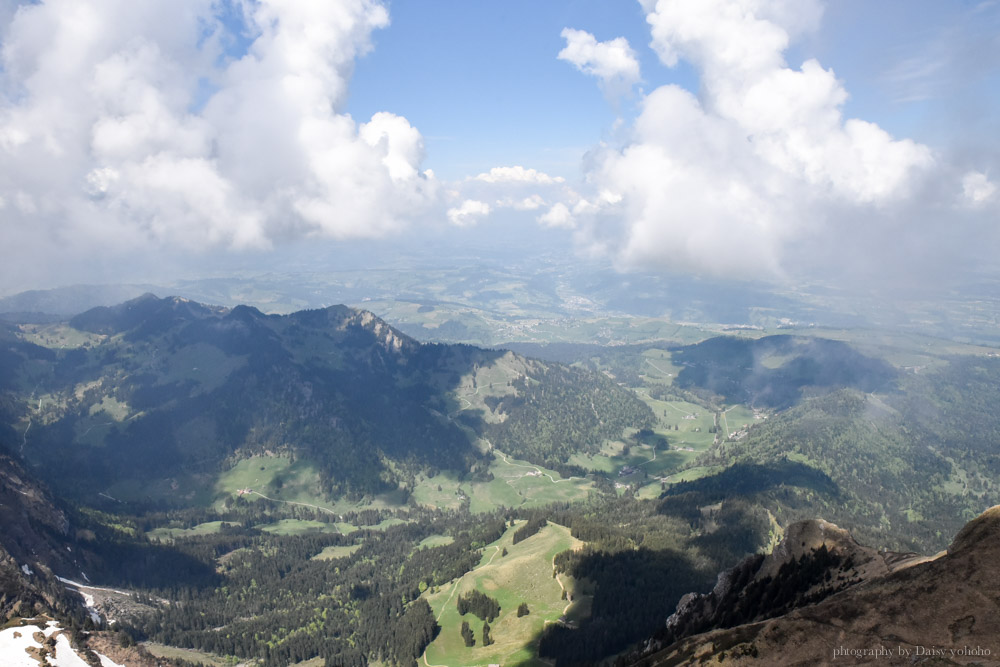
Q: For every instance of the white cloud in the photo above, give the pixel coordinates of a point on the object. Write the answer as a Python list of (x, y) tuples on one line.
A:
[(105, 141), (517, 174), (468, 213), (400, 144), (613, 62), (530, 203), (731, 180), (557, 216), (977, 189)]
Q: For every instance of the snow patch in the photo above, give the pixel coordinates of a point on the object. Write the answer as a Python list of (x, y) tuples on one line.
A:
[(65, 655), (26, 570), (14, 643)]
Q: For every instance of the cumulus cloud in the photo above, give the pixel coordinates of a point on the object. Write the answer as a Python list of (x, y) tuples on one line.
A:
[(468, 213), (531, 203), (977, 189), (514, 188), (613, 62), (106, 138), (731, 181), (557, 216), (517, 174)]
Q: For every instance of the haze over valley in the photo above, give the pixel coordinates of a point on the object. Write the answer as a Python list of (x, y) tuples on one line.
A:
[(380, 333)]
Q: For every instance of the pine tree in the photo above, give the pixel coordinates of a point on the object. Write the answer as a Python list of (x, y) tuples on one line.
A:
[(487, 640), (470, 639)]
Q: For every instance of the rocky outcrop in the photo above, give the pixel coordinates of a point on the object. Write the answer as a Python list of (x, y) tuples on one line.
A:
[(35, 544), (864, 607)]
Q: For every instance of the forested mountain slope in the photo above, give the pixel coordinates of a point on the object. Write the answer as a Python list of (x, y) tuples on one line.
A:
[(901, 470), (154, 396), (773, 371)]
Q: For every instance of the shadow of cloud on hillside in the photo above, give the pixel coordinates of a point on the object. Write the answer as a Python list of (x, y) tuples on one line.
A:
[(741, 480), (636, 590), (151, 567), (775, 370)]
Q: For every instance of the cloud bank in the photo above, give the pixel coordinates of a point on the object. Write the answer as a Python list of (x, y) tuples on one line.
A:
[(131, 124), (760, 173)]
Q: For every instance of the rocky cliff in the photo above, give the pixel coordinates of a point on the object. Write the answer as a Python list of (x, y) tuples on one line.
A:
[(822, 598)]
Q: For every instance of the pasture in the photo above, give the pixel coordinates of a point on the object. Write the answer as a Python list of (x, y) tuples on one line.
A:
[(523, 575)]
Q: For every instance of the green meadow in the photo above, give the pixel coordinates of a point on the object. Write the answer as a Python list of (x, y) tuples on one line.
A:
[(523, 575)]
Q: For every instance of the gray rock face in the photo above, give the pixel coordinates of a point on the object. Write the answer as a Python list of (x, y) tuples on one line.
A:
[(878, 608)]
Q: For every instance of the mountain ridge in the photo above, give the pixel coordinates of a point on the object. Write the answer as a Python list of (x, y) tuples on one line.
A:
[(165, 390)]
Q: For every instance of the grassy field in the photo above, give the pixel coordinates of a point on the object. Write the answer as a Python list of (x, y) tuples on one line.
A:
[(191, 655), (515, 484), (692, 474), (58, 336), (658, 368), (435, 541), (332, 553), (523, 575), (298, 527), (488, 381), (442, 490), (529, 485), (278, 478), (641, 458), (112, 408), (734, 418), (164, 534), (260, 474)]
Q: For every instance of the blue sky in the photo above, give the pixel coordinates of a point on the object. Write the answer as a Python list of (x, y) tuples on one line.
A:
[(482, 82), (780, 140)]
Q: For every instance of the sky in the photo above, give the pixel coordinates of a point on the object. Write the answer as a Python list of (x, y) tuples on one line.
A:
[(775, 140)]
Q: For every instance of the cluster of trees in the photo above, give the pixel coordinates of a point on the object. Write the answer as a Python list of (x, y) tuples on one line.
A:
[(468, 635), (273, 602), (487, 639), (563, 411), (480, 604), (534, 524)]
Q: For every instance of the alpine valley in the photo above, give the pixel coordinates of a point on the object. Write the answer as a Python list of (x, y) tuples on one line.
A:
[(184, 483)]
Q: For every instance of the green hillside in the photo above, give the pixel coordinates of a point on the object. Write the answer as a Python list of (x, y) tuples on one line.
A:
[(150, 400), (512, 574), (903, 470)]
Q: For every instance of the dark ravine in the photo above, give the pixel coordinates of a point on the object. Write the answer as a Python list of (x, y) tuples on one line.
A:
[(821, 598)]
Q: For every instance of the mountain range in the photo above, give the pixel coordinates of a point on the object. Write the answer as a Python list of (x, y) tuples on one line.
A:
[(285, 487), (151, 398)]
